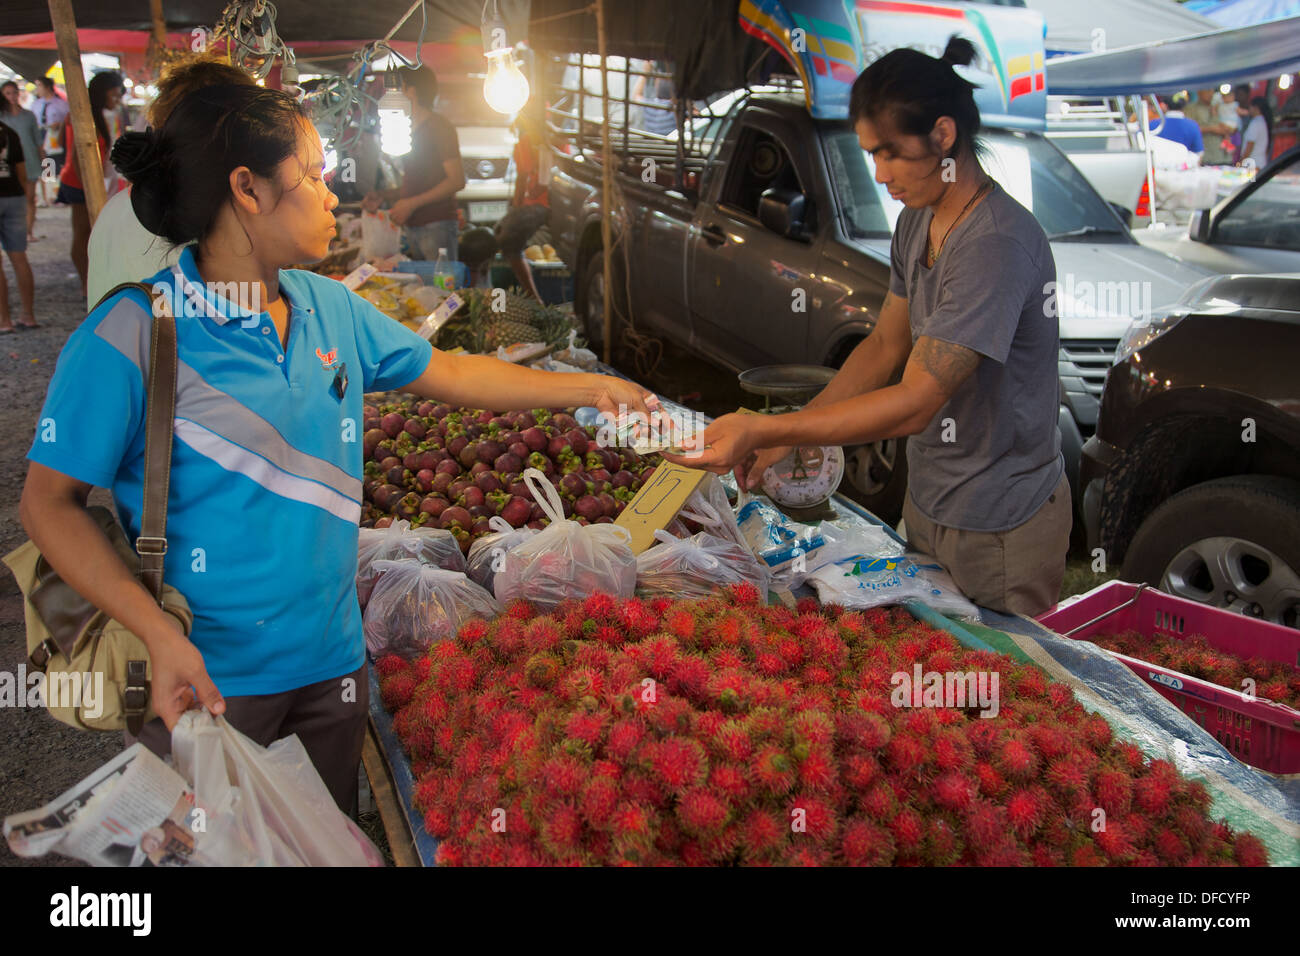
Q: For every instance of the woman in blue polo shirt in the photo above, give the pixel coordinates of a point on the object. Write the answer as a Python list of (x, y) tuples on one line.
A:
[(265, 487)]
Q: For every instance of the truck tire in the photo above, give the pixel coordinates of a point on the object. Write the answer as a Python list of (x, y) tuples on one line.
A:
[(876, 477), (1232, 542), (590, 301)]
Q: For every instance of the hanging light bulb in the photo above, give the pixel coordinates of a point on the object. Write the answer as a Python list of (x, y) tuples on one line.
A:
[(394, 119), (506, 87)]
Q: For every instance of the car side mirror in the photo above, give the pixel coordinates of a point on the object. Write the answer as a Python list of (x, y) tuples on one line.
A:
[(1198, 229), (783, 211), (1123, 212)]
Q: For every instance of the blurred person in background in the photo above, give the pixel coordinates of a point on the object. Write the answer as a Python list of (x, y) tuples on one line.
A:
[(120, 249), (530, 207), (1176, 127), (105, 93), (24, 123), (51, 110), (425, 204), (1241, 100), (1204, 112), (13, 230), (1259, 131)]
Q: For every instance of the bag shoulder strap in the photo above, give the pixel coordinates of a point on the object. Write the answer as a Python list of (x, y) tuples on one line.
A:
[(160, 411)]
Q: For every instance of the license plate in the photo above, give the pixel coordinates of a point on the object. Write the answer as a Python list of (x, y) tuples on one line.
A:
[(487, 211)]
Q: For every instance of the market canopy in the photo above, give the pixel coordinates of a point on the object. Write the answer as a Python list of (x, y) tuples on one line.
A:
[(1242, 13), (1226, 56), (1072, 25), (297, 22)]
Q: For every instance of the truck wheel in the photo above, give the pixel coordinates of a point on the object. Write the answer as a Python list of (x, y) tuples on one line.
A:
[(590, 307), (877, 474), (1231, 542)]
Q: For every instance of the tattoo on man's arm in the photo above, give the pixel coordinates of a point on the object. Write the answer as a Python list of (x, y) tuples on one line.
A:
[(948, 364)]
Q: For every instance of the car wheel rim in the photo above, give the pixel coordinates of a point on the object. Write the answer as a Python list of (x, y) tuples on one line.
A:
[(874, 465), (1238, 575)]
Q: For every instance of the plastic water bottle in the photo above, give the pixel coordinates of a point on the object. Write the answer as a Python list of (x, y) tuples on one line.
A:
[(443, 276)]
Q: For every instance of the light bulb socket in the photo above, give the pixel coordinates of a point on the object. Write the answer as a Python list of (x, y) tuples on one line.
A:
[(496, 42)]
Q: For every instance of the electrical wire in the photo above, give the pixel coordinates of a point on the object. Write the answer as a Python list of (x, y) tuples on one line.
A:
[(249, 27)]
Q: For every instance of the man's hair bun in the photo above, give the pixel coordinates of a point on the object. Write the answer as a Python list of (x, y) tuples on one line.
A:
[(959, 51)]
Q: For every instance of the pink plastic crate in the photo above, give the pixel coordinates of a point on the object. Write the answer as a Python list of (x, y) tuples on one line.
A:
[(1258, 732)]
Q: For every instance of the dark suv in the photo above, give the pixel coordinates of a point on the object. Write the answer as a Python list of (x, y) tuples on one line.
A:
[(1192, 480)]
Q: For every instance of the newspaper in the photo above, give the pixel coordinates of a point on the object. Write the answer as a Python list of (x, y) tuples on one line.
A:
[(133, 811)]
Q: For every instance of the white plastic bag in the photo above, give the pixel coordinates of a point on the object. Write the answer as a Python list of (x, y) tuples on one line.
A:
[(431, 546), (414, 605), (380, 238), (866, 580), (265, 806), (709, 507), (696, 566), (790, 550), (565, 559), (487, 554)]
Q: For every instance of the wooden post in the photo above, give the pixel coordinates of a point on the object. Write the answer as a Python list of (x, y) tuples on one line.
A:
[(159, 24), (83, 123), (607, 171)]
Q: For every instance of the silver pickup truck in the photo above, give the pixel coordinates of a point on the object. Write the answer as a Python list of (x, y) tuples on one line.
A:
[(782, 213)]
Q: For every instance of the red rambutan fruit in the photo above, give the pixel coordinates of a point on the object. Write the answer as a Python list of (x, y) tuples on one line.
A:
[(817, 771), (700, 812), (1154, 791), (730, 781), (390, 664), (814, 815), (733, 742), (772, 770), (678, 762), (991, 782), (952, 751), (859, 770), (1114, 790), (863, 843), (563, 775), (1026, 810), (908, 829), (609, 635), (745, 594), (1068, 775), (905, 753), (880, 802), (1249, 850), (1096, 732), (599, 606), (561, 831), (472, 631), (1115, 840), (542, 634), (1171, 847), (1017, 758), (984, 826), (761, 832), (624, 737), (397, 690), (955, 791)]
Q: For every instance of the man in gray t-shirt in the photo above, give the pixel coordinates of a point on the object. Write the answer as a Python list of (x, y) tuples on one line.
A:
[(992, 455)]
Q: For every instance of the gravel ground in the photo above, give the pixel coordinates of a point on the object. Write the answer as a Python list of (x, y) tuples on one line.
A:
[(39, 757)]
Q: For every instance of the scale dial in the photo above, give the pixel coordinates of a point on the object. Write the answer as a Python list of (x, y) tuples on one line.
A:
[(805, 478)]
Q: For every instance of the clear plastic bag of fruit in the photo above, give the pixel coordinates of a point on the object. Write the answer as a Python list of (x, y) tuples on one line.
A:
[(487, 554), (431, 546), (565, 559), (696, 566), (414, 605), (711, 511)]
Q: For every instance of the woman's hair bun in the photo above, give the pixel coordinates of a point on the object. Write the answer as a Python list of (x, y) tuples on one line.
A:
[(959, 51), (136, 154)]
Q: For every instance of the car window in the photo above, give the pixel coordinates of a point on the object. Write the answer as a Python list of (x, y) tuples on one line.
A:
[(761, 163), (1269, 216), (1033, 171)]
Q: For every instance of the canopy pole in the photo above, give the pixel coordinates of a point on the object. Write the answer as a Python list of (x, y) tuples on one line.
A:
[(83, 124), (607, 170), (159, 24)]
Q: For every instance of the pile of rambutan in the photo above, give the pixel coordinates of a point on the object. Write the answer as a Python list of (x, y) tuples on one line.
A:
[(719, 731), (1278, 681)]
